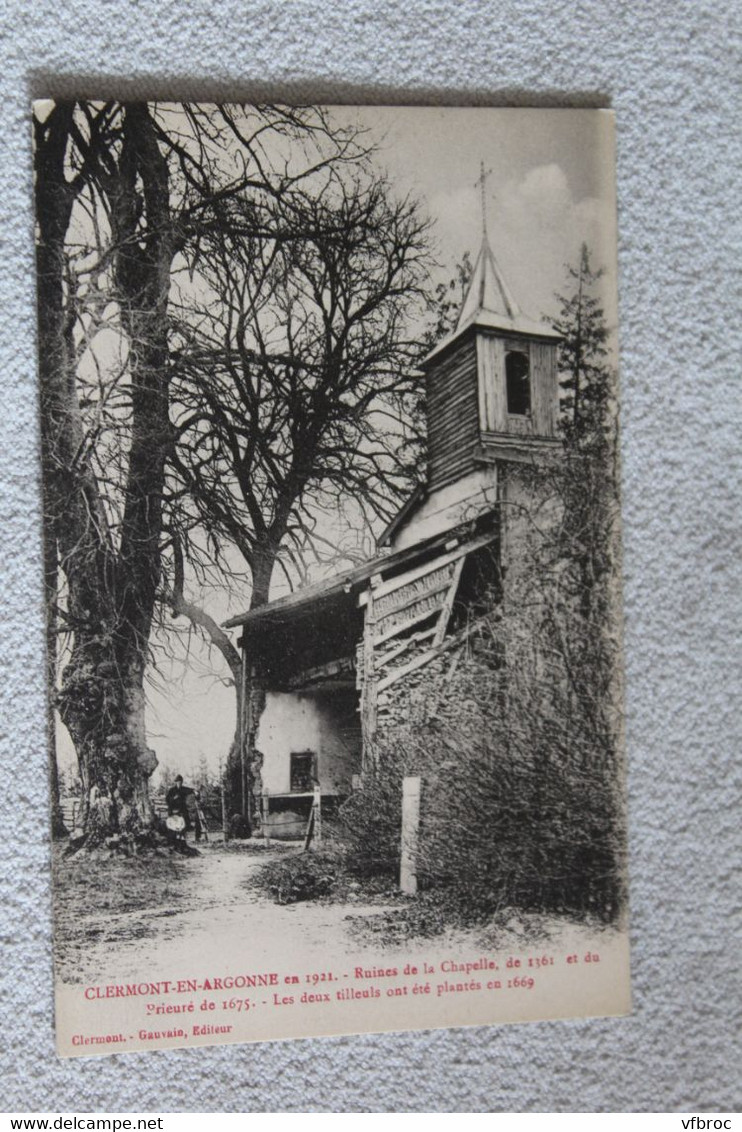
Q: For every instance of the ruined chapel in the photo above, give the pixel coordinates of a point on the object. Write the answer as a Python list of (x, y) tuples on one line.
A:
[(332, 663)]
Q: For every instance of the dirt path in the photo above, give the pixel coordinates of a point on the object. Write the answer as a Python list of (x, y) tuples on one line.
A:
[(197, 927), (171, 917), (198, 909)]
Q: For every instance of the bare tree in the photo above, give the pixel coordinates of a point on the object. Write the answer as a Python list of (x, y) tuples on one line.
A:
[(110, 588), (294, 386)]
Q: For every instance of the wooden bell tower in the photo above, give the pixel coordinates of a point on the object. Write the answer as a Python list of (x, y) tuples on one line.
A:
[(492, 391), (492, 400)]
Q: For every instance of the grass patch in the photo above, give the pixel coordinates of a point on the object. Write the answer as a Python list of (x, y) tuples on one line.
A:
[(251, 847), (430, 914), (106, 898), (327, 874), (321, 873), (100, 882)]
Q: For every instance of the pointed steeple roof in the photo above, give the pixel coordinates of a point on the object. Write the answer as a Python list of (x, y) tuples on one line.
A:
[(487, 291), (489, 303)]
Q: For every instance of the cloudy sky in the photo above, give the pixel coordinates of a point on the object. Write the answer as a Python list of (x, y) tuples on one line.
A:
[(550, 187)]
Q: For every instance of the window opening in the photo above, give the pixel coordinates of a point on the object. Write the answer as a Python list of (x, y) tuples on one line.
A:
[(302, 771)]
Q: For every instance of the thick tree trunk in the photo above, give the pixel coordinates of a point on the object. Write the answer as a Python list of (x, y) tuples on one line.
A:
[(243, 775), (111, 592), (238, 781), (263, 563), (245, 762), (74, 538), (105, 718)]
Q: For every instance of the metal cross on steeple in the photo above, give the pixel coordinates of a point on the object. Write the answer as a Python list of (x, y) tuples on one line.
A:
[(482, 182), (488, 293)]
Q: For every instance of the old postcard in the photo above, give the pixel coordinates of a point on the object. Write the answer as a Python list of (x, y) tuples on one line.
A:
[(332, 553)]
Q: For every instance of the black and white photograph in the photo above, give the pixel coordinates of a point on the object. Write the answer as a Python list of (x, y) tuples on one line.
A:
[(332, 550)]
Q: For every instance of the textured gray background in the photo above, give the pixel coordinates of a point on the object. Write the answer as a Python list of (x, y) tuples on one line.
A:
[(668, 68)]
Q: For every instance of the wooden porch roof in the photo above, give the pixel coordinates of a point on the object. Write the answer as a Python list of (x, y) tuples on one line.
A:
[(330, 591)]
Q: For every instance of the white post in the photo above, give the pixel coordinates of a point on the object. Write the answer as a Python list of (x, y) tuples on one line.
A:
[(410, 827), (264, 815), (317, 804)]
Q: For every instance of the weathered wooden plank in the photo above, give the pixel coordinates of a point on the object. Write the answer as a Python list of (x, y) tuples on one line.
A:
[(458, 425), (461, 416), (445, 616), (383, 589), (442, 474), (332, 668), (460, 358), (423, 604), (443, 406), (544, 391), (456, 450), (519, 425), (455, 443), (435, 564), (464, 396), (464, 416), (407, 669), (402, 626), (491, 377), (486, 383), (406, 594), (382, 659), (517, 449), (452, 413), (453, 385), (449, 433), (426, 657)]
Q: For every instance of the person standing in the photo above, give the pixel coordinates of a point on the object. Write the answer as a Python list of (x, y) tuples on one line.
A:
[(181, 800)]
